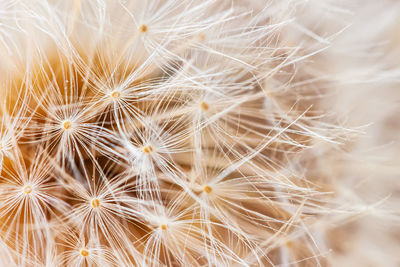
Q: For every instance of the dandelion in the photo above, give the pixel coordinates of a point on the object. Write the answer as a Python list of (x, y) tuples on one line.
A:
[(181, 133)]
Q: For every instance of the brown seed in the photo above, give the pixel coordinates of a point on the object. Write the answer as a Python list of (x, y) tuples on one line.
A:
[(204, 106), (143, 28)]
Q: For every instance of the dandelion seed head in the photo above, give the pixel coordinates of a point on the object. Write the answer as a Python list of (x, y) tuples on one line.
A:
[(190, 140)]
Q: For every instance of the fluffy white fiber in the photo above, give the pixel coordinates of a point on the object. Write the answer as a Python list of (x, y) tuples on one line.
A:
[(199, 133)]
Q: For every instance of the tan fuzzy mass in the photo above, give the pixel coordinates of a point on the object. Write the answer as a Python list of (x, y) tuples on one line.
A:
[(199, 133)]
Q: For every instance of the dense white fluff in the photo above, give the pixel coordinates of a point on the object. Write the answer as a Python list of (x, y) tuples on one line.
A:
[(198, 133)]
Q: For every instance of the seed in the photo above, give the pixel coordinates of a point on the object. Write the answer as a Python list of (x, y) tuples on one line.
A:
[(204, 106), (95, 202), (115, 94), (143, 28), (84, 252), (207, 189), (148, 149), (201, 37), (66, 125), (28, 189), (289, 244)]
